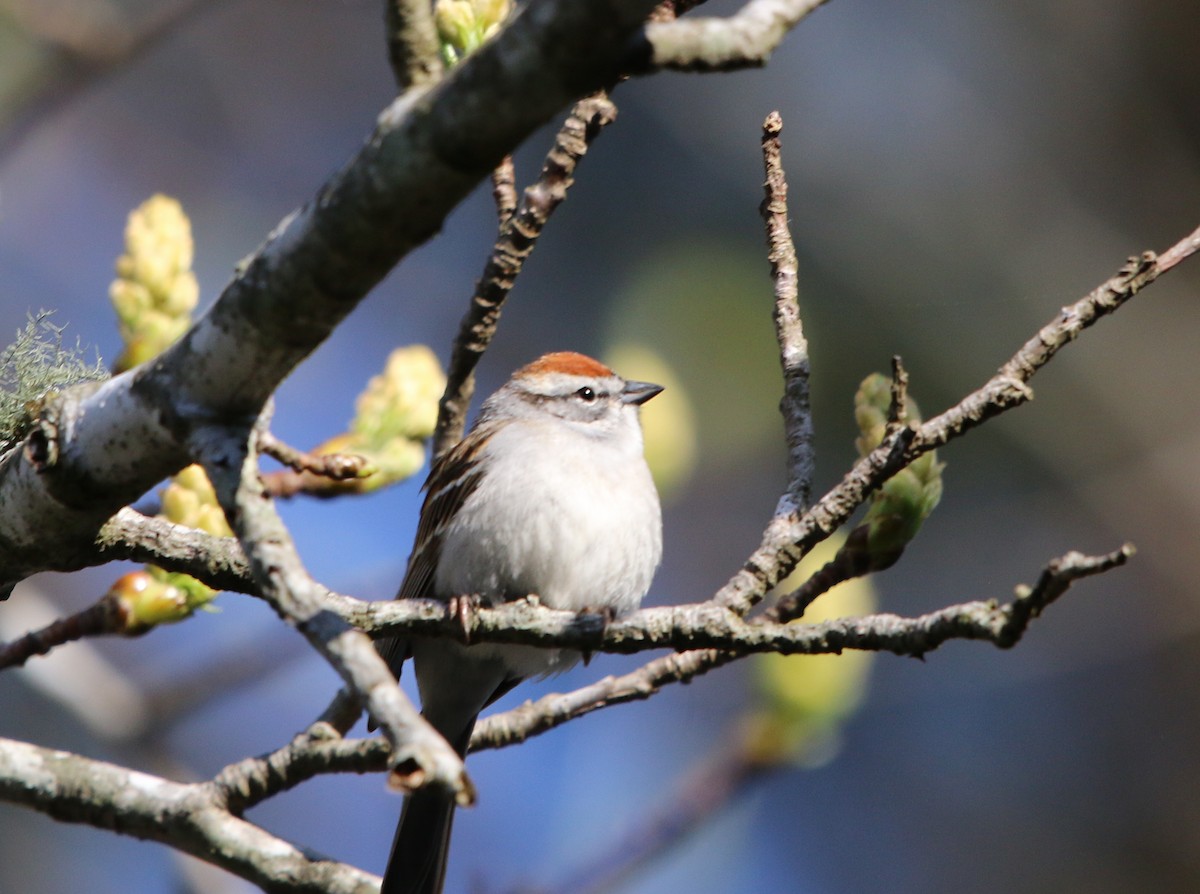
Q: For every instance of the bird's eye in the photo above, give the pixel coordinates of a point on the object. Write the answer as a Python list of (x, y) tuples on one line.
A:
[(585, 394)]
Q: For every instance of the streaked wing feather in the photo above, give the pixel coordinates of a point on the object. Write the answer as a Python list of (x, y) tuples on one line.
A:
[(451, 481)]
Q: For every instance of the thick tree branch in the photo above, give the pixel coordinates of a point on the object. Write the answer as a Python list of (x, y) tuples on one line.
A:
[(99, 449), (189, 818), (131, 536)]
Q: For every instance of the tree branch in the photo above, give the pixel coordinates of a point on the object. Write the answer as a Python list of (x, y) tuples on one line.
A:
[(1002, 625), (189, 818), (795, 404), (744, 40), (216, 561), (419, 755)]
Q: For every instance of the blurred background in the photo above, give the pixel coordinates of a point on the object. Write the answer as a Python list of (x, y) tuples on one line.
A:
[(958, 173)]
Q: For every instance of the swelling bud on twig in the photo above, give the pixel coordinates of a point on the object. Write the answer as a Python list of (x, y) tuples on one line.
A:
[(897, 509), (189, 499), (394, 415), (153, 596), (155, 291), (901, 505), (463, 25), (142, 600)]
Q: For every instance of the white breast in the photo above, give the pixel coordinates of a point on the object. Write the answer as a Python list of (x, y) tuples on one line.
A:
[(560, 515)]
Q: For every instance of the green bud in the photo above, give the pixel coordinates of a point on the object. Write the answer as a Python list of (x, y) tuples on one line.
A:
[(901, 505), (400, 402)]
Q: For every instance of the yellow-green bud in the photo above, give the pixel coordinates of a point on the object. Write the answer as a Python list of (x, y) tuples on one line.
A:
[(145, 599), (394, 415), (155, 291), (901, 505), (402, 401), (189, 499)]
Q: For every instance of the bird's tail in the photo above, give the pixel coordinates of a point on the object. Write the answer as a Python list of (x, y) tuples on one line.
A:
[(417, 863)]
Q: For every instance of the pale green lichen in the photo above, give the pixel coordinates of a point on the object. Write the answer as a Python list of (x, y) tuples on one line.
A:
[(37, 363)]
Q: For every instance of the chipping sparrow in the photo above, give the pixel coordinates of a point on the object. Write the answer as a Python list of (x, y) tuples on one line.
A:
[(549, 494)]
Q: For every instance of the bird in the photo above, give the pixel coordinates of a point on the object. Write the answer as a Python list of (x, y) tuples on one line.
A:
[(548, 495)]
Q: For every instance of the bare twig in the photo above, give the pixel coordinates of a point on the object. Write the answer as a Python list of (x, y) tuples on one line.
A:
[(317, 750), (744, 40), (335, 466), (519, 233), (898, 408), (1002, 625), (309, 473), (789, 327), (95, 620), (708, 626), (504, 190)]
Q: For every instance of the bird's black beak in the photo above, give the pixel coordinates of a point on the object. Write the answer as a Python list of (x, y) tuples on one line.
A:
[(639, 392)]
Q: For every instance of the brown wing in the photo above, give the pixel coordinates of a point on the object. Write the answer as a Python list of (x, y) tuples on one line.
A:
[(452, 479)]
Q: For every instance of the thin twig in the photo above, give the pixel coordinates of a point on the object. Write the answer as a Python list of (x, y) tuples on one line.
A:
[(518, 236), (789, 327), (95, 620), (504, 190), (333, 466), (317, 750), (898, 408), (744, 40), (1002, 625)]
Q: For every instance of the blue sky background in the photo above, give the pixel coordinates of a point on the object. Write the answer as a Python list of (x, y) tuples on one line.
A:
[(958, 173)]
